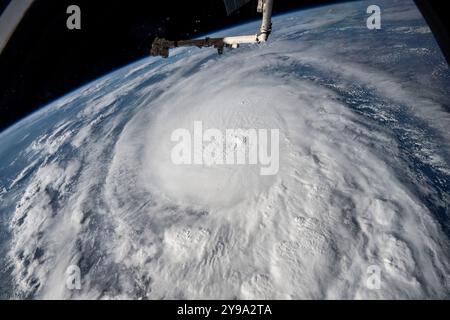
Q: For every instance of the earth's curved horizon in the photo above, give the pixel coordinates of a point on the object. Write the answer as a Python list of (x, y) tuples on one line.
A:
[(363, 181)]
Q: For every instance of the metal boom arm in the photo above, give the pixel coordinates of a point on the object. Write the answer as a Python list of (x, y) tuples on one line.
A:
[(161, 47)]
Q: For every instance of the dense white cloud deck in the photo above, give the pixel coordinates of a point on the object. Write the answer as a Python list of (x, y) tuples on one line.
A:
[(101, 192)]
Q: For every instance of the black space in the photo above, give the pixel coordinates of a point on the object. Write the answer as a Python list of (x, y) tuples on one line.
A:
[(44, 60)]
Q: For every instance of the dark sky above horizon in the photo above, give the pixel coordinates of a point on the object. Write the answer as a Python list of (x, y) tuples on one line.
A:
[(43, 60)]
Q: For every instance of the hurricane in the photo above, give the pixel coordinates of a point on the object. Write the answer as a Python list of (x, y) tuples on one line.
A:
[(363, 179)]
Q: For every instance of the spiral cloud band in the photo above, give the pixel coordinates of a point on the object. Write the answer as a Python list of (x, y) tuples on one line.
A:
[(360, 184)]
